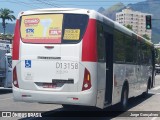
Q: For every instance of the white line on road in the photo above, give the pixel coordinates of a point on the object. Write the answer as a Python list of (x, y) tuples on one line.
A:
[(154, 93), (154, 118), (5, 88), (156, 88), (5, 98)]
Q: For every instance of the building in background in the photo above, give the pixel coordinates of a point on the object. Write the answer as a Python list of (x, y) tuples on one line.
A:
[(135, 19)]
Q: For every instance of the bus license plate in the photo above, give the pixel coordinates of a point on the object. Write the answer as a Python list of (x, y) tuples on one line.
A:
[(49, 85)]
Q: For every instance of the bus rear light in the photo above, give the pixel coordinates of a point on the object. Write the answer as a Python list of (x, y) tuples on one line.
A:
[(87, 80), (15, 80)]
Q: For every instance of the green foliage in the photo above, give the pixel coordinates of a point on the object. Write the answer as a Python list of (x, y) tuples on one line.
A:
[(158, 56), (116, 7), (146, 36), (129, 26), (6, 36), (6, 14)]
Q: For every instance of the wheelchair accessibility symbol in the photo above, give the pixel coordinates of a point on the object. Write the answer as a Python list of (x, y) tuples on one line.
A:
[(27, 63)]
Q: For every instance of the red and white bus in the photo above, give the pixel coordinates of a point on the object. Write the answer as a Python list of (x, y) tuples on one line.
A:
[(75, 56)]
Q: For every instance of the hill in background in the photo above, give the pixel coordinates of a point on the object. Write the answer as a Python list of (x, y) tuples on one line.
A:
[(111, 11), (148, 6), (9, 28)]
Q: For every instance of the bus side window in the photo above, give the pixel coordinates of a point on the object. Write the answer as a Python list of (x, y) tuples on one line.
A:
[(119, 49), (129, 49), (100, 43)]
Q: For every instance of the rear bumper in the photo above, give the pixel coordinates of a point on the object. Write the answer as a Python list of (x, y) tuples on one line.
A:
[(86, 98)]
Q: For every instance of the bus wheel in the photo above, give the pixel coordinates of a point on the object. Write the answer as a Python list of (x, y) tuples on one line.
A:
[(1, 82), (68, 106), (124, 99), (145, 94)]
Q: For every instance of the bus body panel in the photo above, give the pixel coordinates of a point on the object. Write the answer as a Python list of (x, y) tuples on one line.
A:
[(51, 79), (101, 76), (55, 71), (121, 73), (62, 96), (72, 98), (137, 79), (46, 66)]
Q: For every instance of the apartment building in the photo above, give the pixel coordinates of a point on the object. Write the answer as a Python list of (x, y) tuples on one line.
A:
[(134, 18)]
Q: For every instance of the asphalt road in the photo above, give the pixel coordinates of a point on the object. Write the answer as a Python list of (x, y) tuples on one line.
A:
[(137, 107)]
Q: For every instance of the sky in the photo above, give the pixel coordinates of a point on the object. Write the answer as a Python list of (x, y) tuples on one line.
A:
[(23, 5)]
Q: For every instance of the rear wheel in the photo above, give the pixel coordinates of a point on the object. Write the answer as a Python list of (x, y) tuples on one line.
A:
[(68, 106), (145, 94), (124, 99), (1, 82)]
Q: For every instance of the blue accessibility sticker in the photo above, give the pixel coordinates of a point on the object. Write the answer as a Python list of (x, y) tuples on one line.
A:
[(27, 63)]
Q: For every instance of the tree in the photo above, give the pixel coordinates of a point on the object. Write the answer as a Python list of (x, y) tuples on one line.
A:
[(146, 36), (6, 14), (128, 26)]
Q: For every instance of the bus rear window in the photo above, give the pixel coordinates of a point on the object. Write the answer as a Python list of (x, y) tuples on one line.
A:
[(53, 28)]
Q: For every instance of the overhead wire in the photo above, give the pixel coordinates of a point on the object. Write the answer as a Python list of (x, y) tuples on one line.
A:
[(21, 3), (49, 4), (94, 3), (58, 3)]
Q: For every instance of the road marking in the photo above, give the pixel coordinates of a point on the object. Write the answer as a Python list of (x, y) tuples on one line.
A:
[(154, 118), (156, 88), (5, 88), (5, 98), (154, 93)]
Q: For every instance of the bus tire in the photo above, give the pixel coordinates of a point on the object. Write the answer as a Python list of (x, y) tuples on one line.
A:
[(124, 98), (68, 106), (2, 82), (145, 94)]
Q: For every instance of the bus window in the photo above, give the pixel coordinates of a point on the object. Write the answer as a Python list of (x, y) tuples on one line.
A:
[(119, 49), (100, 42), (74, 31), (129, 49), (53, 28)]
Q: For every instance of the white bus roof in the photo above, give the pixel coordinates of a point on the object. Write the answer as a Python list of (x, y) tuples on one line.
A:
[(56, 10)]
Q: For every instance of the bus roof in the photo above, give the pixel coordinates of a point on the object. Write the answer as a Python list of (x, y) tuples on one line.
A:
[(55, 10)]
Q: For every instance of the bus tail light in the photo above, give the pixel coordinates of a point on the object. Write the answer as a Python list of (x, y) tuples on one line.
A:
[(15, 80), (87, 80)]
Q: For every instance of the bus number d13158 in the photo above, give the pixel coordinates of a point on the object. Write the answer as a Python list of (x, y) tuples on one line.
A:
[(63, 65)]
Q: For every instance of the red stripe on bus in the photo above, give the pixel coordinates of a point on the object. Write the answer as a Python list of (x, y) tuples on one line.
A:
[(89, 43), (48, 41), (16, 40)]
